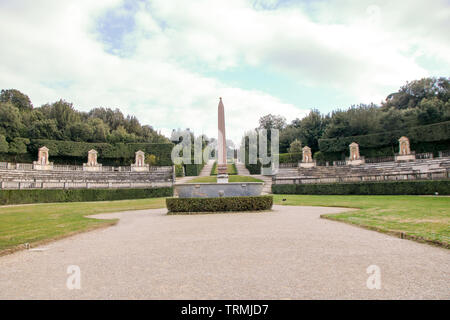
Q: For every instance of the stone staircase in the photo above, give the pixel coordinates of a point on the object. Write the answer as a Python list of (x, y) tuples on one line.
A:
[(206, 171), (241, 169), (267, 188)]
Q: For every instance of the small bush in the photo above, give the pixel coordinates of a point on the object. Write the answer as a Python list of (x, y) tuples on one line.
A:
[(225, 204), (179, 170), (77, 195), (428, 187), (192, 169)]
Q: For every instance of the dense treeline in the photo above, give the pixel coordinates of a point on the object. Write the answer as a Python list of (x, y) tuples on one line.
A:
[(20, 122), (417, 103)]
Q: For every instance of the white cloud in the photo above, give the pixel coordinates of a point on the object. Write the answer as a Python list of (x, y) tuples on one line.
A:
[(49, 51)]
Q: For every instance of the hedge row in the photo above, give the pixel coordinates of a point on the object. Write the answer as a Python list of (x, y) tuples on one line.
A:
[(421, 134), (79, 150), (290, 157), (225, 204), (77, 195), (192, 169), (427, 187)]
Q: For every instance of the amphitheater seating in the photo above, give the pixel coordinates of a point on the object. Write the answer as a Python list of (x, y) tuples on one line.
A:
[(65, 179), (420, 169)]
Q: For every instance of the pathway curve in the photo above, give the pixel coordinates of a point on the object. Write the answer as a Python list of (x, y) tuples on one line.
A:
[(289, 253)]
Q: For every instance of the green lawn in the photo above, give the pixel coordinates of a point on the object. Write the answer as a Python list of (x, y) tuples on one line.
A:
[(417, 217), (38, 223), (231, 168), (234, 178)]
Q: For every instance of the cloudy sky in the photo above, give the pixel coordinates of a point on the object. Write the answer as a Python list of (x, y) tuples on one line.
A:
[(168, 61)]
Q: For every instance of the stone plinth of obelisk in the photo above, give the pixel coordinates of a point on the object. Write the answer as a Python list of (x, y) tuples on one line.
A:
[(222, 172)]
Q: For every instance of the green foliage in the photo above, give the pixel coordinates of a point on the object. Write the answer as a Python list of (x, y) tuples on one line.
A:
[(420, 102), (16, 98), (192, 169), (4, 146), (10, 121), (411, 94), (428, 187), (179, 170), (120, 151), (61, 121), (295, 146), (225, 204), (290, 157), (151, 159), (77, 195), (18, 145), (271, 121), (428, 133)]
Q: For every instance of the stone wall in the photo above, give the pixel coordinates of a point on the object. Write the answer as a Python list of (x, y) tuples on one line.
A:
[(16, 176)]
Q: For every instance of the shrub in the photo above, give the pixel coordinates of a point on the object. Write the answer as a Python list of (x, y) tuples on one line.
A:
[(290, 157), (193, 169), (76, 195), (225, 204), (179, 170), (3, 144), (421, 134), (422, 187)]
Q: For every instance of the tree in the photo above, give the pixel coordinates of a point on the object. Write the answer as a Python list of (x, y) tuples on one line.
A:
[(295, 147), (271, 121), (64, 114), (18, 145), (80, 131), (16, 98), (410, 95), (45, 129), (100, 130), (10, 121), (4, 146)]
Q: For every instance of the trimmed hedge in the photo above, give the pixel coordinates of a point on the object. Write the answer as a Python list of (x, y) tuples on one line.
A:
[(290, 157), (77, 195), (225, 204), (421, 187), (193, 169), (421, 134), (108, 154)]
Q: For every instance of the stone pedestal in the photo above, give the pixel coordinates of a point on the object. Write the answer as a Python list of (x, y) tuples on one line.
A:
[(139, 164), (222, 178), (39, 166), (87, 167), (42, 162), (142, 168), (307, 164), (405, 153), (405, 157), (355, 162)]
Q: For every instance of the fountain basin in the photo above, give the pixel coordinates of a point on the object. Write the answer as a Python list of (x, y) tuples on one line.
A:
[(216, 190)]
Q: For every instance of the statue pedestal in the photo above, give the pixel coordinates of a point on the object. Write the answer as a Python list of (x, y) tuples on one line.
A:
[(355, 162), (143, 168), (307, 164), (97, 167), (222, 178), (38, 166), (405, 157)]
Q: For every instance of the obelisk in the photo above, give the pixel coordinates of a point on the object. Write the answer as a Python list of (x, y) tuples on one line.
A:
[(222, 176)]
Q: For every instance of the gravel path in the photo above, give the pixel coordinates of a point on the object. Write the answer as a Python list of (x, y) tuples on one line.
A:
[(289, 253)]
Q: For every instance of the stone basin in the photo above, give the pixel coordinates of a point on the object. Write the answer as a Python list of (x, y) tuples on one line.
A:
[(215, 190)]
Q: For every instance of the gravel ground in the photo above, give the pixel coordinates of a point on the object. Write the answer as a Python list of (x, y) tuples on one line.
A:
[(289, 253)]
